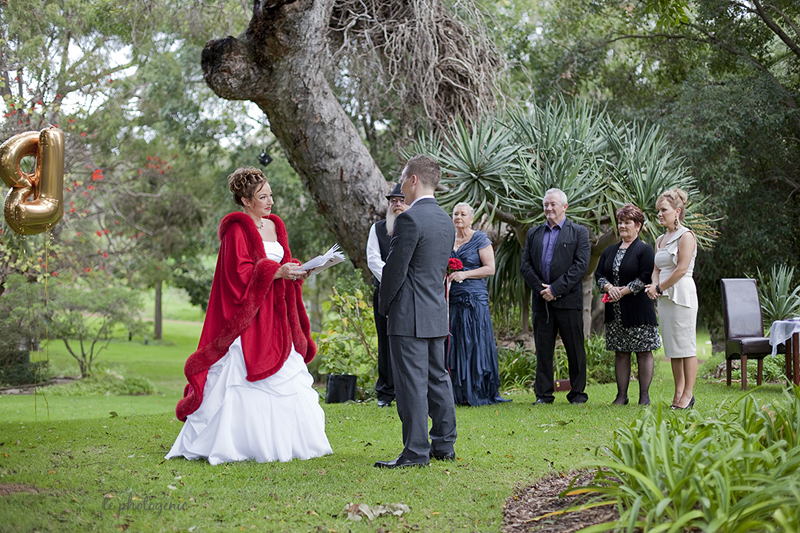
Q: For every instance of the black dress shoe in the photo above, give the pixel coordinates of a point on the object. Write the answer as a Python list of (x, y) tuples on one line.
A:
[(578, 402), (444, 456), (397, 463), (384, 403), (540, 401)]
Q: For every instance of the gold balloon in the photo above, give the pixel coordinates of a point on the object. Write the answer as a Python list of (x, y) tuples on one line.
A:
[(35, 202)]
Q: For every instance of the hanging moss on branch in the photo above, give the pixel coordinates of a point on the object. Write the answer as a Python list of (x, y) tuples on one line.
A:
[(419, 61)]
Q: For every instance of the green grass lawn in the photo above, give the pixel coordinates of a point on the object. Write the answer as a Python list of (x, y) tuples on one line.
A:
[(85, 463), (174, 305), (159, 361)]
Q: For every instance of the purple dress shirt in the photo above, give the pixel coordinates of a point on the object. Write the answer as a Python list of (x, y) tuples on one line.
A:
[(548, 247)]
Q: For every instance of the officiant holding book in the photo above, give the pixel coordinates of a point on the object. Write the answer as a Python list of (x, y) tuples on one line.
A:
[(380, 237), (250, 394)]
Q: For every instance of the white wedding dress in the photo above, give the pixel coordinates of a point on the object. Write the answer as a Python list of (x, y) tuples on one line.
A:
[(274, 419)]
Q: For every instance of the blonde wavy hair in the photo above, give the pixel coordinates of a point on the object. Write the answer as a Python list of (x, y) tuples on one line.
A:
[(677, 198)]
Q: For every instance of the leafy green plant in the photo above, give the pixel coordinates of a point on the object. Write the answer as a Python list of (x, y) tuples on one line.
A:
[(502, 166), (16, 370), (195, 279), (735, 470), (560, 362), (773, 368), (599, 361), (518, 365), (779, 294), (708, 369), (348, 343), (517, 368)]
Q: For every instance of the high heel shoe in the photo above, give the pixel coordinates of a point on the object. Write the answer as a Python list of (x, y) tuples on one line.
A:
[(617, 403), (691, 404)]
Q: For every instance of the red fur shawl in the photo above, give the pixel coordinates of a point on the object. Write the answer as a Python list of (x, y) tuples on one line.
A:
[(245, 301)]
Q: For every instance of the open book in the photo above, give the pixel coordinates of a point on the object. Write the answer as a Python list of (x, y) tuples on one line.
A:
[(332, 257)]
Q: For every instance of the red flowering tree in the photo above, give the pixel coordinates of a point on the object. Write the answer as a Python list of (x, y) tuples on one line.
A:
[(141, 148)]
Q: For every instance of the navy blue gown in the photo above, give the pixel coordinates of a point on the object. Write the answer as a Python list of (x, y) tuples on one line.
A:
[(472, 354)]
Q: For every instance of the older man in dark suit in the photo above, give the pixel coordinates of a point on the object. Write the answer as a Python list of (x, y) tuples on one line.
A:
[(554, 262), (412, 298)]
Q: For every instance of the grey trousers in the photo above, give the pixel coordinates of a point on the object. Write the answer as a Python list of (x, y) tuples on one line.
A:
[(422, 388)]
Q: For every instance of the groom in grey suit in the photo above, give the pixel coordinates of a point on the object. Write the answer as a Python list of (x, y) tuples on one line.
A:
[(413, 300)]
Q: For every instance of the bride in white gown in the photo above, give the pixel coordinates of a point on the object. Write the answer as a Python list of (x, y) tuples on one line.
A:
[(257, 399)]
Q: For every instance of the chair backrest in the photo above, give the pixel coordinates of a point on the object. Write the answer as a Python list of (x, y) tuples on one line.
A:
[(741, 308)]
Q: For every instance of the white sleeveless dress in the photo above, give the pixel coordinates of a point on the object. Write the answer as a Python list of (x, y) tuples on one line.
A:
[(677, 307), (274, 419)]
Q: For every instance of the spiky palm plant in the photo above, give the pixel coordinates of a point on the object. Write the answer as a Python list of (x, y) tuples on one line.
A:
[(479, 165), (503, 166), (645, 166), (779, 294)]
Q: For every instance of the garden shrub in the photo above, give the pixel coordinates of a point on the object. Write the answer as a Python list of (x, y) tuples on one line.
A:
[(599, 361), (774, 368), (518, 365), (348, 342), (16, 369), (778, 293), (735, 469), (106, 382), (517, 368), (708, 370), (196, 280)]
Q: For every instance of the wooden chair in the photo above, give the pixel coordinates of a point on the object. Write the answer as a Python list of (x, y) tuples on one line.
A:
[(744, 327)]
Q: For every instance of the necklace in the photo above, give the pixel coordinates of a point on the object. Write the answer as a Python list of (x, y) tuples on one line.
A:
[(461, 242), (259, 224)]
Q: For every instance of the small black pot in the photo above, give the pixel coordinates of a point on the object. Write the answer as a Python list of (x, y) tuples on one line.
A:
[(341, 388)]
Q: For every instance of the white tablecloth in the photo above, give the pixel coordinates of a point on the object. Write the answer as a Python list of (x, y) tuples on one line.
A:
[(781, 330)]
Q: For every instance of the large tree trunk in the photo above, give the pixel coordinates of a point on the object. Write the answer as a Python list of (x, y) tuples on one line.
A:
[(279, 63)]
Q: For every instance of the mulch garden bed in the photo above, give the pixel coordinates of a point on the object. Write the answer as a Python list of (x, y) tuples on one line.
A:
[(529, 509)]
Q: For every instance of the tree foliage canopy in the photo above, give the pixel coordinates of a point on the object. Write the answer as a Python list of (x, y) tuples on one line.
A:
[(722, 80)]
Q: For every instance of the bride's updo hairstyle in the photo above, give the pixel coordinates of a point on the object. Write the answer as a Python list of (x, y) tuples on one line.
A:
[(677, 199), (244, 182)]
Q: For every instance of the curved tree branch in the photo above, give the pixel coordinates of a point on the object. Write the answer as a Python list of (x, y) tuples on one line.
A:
[(777, 30), (279, 63)]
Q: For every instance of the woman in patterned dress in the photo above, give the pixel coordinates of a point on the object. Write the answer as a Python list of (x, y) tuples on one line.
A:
[(623, 272)]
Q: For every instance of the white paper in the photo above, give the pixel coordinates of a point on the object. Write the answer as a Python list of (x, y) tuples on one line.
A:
[(332, 257)]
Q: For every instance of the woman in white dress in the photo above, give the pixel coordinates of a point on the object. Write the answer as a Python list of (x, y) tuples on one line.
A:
[(250, 394), (677, 309)]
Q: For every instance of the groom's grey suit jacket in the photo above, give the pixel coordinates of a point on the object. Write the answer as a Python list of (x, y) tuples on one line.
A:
[(412, 286)]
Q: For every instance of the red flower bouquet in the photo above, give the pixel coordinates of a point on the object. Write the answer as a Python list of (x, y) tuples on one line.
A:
[(606, 298), (454, 265)]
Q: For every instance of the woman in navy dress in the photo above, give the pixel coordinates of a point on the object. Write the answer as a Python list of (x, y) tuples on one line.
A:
[(472, 355)]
